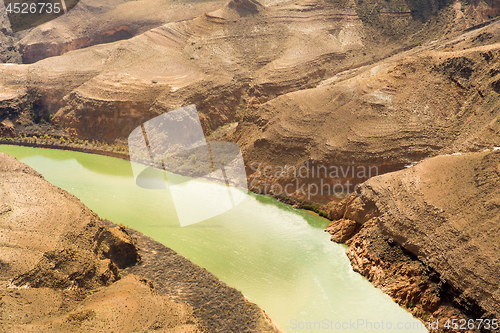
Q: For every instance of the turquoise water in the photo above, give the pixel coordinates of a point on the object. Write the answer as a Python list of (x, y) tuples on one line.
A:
[(279, 257)]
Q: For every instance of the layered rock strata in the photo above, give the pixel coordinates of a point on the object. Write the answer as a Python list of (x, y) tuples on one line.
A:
[(429, 235)]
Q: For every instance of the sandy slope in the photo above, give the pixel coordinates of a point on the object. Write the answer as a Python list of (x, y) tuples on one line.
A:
[(307, 81), (93, 22), (225, 61), (348, 83)]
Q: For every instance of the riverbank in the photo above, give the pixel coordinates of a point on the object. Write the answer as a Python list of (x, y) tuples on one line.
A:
[(428, 237), (409, 275), (122, 153), (83, 147), (219, 307), (107, 279)]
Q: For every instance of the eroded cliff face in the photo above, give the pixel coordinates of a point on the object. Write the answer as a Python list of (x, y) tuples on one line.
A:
[(56, 252), (429, 235), (214, 60), (305, 83), (308, 83), (62, 270), (90, 23), (438, 98)]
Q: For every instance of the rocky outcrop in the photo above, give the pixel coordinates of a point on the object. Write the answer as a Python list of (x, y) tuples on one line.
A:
[(428, 235), (37, 51), (96, 22), (116, 244), (298, 98), (91, 23), (219, 307), (9, 53), (7, 129), (128, 305), (342, 230)]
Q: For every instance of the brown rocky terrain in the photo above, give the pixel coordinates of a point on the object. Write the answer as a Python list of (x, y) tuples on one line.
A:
[(9, 53), (214, 61), (319, 82), (429, 235), (90, 23), (96, 22), (308, 83), (429, 100), (63, 269)]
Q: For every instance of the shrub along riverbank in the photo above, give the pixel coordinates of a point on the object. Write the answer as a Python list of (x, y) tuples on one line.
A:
[(65, 143)]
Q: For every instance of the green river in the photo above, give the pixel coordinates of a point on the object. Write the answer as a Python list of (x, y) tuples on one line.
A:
[(279, 257)]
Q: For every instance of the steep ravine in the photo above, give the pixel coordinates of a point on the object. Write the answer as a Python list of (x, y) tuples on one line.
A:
[(427, 235), (434, 99)]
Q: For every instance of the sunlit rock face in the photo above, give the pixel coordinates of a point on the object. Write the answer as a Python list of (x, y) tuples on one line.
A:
[(428, 235)]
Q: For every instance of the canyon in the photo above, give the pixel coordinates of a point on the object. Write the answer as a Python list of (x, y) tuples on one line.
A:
[(398, 86)]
